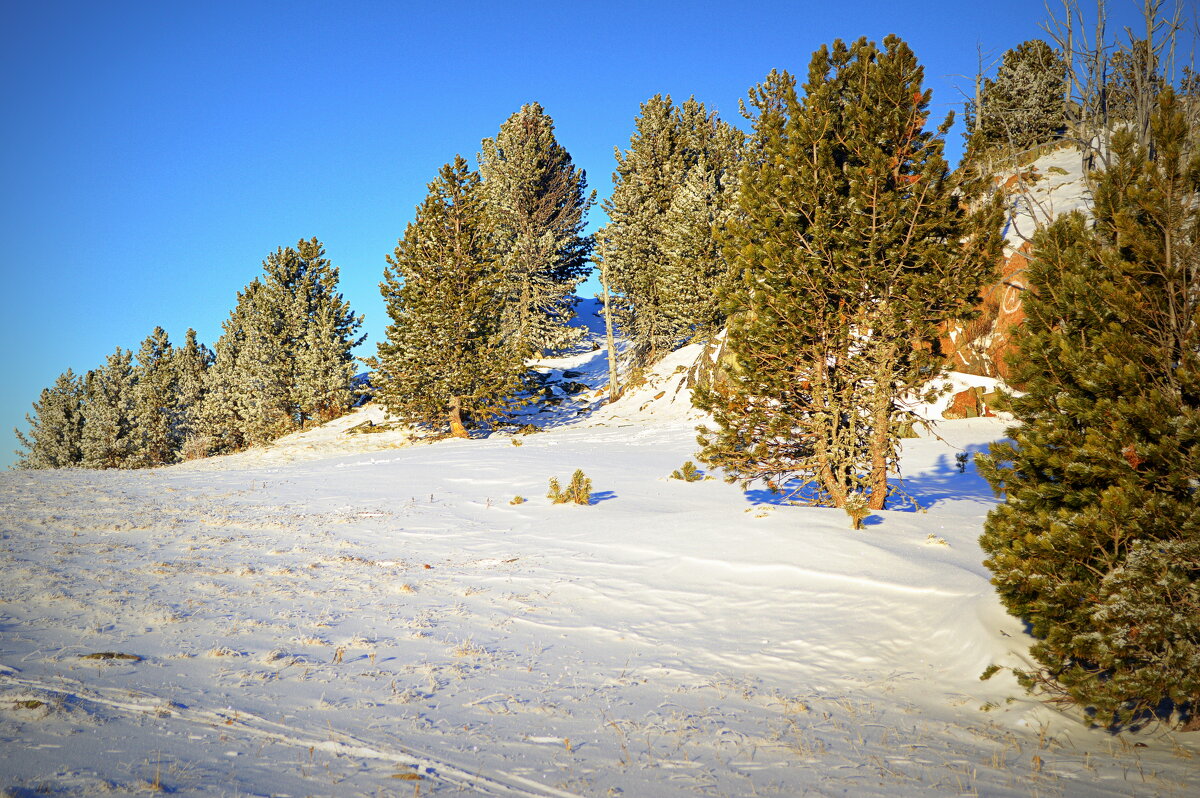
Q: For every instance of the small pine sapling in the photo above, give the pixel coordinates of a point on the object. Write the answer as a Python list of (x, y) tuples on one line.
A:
[(857, 509), (579, 491), (517, 500), (687, 472)]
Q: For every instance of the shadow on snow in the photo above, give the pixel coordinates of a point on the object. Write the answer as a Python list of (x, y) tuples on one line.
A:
[(943, 482)]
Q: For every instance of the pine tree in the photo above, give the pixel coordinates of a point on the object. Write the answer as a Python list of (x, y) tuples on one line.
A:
[(283, 360), (1096, 543), (671, 189), (1023, 105), (190, 364), (109, 432), (220, 424), (154, 398), (445, 362), (537, 202), (56, 426), (851, 247)]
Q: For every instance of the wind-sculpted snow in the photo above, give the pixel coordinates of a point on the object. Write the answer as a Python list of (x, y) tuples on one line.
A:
[(386, 622)]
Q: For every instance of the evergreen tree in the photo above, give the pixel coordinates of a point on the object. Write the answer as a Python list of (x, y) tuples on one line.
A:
[(221, 427), (190, 364), (851, 248), (1023, 106), (1096, 543), (109, 432), (537, 201), (283, 360), (671, 188), (56, 426), (154, 398), (445, 362)]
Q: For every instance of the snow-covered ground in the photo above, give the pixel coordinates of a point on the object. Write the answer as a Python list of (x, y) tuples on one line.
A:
[(360, 615)]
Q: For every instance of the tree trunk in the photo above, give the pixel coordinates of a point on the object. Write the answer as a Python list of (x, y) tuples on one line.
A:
[(614, 387), (457, 428)]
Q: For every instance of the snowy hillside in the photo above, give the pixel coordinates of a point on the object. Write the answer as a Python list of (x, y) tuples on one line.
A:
[(357, 614)]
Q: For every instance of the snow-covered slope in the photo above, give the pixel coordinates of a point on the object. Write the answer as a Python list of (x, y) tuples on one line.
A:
[(321, 619), (1052, 186)]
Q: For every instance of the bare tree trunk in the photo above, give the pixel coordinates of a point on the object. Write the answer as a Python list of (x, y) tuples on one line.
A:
[(457, 428), (614, 387)]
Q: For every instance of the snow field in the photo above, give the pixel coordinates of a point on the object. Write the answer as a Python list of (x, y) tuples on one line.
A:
[(346, 625)]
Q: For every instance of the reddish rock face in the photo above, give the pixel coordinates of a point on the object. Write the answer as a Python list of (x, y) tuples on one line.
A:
[(965, 404), (981, 346), (971, 403)]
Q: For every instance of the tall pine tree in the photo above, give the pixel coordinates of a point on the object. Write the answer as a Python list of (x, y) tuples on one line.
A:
[(1097, 544), (56, 426), (671, 189), (851, 247), (283, 361), (190, 364), (445, 362), (109, 425), (537, 201), (154, 397)]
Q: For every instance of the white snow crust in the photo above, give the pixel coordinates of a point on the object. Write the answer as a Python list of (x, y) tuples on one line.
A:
[(369, 615)]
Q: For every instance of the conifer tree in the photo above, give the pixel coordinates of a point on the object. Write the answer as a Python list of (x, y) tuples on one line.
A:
[(1096, 544), (851, 247), (190, 364), (283, 360), (537, 202), (445, 362), (221, 426), (1023, 105), (56, 426), (109, 424), (671, 188), (154, 399)]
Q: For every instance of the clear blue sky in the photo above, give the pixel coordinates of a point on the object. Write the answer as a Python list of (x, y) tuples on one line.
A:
[(155, 152)]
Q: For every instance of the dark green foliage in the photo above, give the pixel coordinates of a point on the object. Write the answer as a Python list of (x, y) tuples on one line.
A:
[(850, 248), (537, 202), (578, 492), (56, 426), (1023, 106), (445, 363), (673, 190), (1095, 545)]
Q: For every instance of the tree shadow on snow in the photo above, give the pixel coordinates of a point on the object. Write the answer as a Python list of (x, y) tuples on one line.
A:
[(601, 496), (944, 482)]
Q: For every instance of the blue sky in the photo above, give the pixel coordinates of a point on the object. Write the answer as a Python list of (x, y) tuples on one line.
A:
[(154, 153)]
